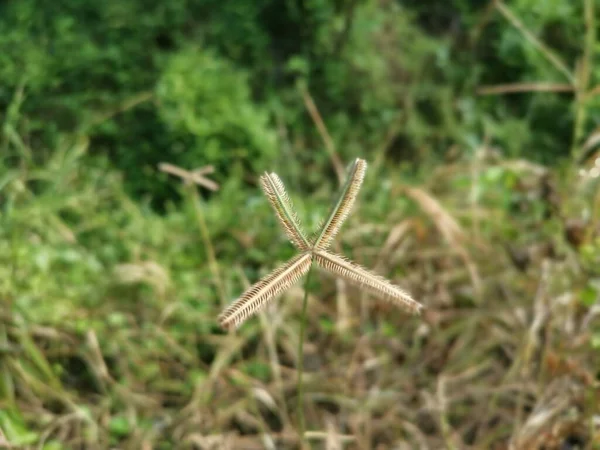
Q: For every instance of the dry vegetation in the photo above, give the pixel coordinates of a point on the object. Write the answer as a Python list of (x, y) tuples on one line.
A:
[(130, 216), (505, 353)]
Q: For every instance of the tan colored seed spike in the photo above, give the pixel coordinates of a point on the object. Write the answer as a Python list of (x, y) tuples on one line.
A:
[(275, 191), (340, 266), (264, 290), (344, 205), (260, 293)]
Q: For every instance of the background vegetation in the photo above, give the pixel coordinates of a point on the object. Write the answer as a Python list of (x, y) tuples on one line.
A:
[(481, 124)]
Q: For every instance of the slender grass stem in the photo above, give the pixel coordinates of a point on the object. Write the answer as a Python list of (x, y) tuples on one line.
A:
[(301, 422), (210, 252)]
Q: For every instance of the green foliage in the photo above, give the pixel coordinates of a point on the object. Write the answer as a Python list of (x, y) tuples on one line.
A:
[(487, 49), (102, 268), (204, 96), (15, 429), (369, 79), (397, 75)]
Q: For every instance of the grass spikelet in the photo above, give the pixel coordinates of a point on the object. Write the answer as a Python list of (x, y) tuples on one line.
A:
[(264, 290), (312, 250), (343, 206), (282, 204), (354, 273)]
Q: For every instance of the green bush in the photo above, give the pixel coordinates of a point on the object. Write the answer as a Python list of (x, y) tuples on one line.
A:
[(400, 75), (204, 96)]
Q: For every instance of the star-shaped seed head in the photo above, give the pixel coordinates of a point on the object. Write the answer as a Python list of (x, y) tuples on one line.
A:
[(313, 250), (194, 177)]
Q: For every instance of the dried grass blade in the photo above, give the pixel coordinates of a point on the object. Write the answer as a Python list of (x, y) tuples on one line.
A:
[(258, 295), (343, 206), (443, 220), (354, 273), (448, 227), (282, 204)]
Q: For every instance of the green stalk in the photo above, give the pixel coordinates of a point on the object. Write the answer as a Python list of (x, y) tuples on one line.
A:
[(301, 423), (213, 265)]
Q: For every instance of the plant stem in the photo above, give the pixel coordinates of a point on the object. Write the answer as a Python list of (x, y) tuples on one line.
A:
[(301, 424), (210, 252)]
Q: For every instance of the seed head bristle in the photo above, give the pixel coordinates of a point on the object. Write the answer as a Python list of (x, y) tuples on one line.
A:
[(275, 192), (344, 205), (258, 295), (354, 273), (314, 235)]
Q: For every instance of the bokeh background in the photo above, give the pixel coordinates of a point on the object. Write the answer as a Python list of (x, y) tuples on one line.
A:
[(480, 121)]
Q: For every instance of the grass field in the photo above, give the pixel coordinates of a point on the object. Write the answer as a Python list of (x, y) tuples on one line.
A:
[(481, 199)]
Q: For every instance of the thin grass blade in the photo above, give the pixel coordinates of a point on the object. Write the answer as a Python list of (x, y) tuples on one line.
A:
[(343, 206), (264, 290), (282, 204), (354, 273)]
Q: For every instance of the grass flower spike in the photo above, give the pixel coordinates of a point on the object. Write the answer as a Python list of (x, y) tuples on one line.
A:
[(314, 250), (344, 205), (260, 293), (275, 191)]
